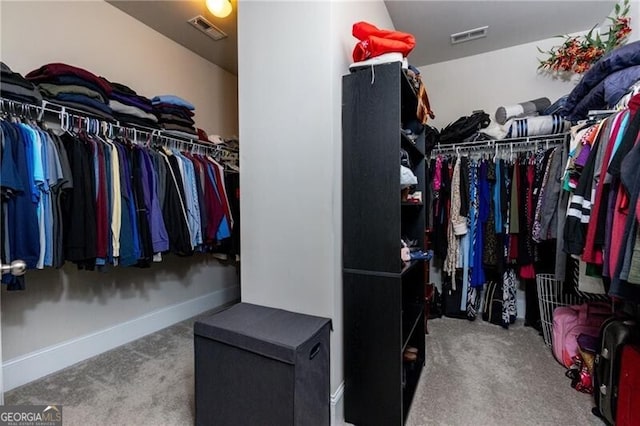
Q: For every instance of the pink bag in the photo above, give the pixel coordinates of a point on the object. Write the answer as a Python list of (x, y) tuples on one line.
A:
[(571, 321)]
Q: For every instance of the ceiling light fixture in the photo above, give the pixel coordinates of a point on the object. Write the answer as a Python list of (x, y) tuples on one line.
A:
[(219, 8)]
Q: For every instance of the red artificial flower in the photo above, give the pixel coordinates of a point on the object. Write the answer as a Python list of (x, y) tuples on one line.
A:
[(577, 54)]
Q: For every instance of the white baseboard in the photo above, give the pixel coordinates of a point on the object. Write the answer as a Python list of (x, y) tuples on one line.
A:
[(337, 407), (26, 368)]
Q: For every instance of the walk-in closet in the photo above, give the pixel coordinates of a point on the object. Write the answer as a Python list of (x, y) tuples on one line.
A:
[(379, 212)]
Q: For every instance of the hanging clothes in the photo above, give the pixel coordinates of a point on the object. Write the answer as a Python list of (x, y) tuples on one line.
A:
[(490, 248), (474, 244), (580, 207), (509, 307), (441, 194), (482, 215), (505, 197), (97, 202), (593, 251), (456, 226)]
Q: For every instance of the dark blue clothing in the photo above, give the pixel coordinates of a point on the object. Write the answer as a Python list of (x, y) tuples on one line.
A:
[(620, 58), (129, 236), (84, 100), (142, 208), (606, 93), (22, 218), (108, 166)]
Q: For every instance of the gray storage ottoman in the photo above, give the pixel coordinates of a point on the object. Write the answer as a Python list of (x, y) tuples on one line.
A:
[(262, 366)]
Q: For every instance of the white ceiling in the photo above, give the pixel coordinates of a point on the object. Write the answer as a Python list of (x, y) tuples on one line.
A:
[(431, 22), (510, 23), (170, 18)]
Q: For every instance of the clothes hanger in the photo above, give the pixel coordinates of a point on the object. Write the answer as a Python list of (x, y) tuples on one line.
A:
[(104, 129), (150, 136), (9, 111), (63, 120)]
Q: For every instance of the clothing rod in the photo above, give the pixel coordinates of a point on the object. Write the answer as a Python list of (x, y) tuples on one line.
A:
[(512, 145), (36, 112), (501, 143)]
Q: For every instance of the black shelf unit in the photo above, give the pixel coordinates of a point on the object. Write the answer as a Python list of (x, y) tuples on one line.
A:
[(382, 296), (407, 267), (415, 153), (410, 318)]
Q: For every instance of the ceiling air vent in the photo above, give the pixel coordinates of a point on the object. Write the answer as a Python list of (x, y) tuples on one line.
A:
[(469, 35), (201, 23)]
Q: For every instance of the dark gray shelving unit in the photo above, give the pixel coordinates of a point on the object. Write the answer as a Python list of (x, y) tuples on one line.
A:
[(382, 296)]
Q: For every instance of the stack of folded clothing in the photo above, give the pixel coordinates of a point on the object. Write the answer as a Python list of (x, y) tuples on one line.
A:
[(73, 87), (16, 87), (605, 83), (175, 114), (129, 107)]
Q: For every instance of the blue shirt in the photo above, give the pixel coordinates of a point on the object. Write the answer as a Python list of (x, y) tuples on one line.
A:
[(22, 219), (173, 100)]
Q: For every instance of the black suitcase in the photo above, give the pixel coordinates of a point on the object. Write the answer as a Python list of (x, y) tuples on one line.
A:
[(451, 299), (615, 333)]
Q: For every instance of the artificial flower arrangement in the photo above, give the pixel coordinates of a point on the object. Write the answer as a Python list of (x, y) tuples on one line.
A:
[(578, 53)]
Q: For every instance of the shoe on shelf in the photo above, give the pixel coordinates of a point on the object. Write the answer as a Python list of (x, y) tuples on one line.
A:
[(409, 356), (420, 255)]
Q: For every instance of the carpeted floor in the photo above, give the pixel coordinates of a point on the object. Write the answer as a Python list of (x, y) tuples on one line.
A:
[(480, 374), (476, 374), (146, 382)]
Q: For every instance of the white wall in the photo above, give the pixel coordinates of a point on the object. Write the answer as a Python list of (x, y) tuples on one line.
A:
[(287, 153), (96, 36), (489, 80), (634, 13), (62, 306), (290, 127)]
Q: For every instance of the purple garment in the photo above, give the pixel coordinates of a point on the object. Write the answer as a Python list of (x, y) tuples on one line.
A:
[(159, 235), (136, 101), (583, 156)]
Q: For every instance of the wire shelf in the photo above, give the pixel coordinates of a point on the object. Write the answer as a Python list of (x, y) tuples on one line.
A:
[(72, 117), (516, 145)]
